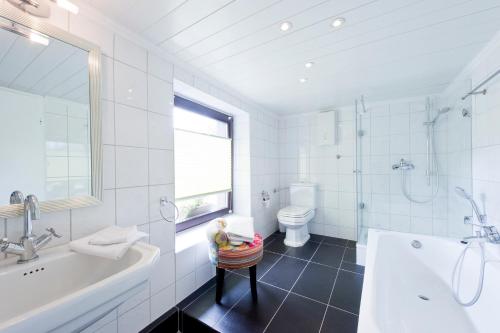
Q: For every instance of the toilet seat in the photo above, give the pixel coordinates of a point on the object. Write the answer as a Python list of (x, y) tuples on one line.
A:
[(295, 215)]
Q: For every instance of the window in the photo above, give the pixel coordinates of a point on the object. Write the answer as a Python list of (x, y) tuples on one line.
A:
[(203, 163)]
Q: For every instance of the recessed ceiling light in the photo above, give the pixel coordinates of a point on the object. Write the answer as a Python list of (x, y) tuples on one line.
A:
[(309, 64), (303, 80), (338, 22), (285, 26)]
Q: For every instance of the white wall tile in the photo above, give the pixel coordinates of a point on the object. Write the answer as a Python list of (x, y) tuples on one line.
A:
[(204, 273), (108, 167), (131, 166), (85, 221), (160, 96), (131, 206), (161, 166), (108, 79), (108, 122), (162, 302), (160, 131), (185, 262), (162, 234), (163, 273), (185, 286), (130, 86), (130, 53), (131, 126), (160, 68)]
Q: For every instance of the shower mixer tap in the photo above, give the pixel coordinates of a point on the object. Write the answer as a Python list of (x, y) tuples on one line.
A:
[(403, 165)]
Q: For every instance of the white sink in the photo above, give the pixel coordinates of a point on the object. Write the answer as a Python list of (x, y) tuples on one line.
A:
[(65, 291)]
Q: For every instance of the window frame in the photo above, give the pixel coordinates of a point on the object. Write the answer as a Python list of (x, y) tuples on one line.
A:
[(206, 111)]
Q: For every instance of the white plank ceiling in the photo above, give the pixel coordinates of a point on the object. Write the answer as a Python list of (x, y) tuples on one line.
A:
[(386, 49), (57, 70)]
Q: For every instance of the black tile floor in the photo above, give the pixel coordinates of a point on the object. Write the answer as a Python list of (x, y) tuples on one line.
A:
[(314, 288)]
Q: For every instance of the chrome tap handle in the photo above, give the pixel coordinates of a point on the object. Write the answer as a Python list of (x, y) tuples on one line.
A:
[(16, 197), (492, 234), (53, 232), (468, 220), (4, 244)]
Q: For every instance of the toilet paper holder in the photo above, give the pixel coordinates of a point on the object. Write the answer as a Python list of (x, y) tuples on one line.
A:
[(265, 196)]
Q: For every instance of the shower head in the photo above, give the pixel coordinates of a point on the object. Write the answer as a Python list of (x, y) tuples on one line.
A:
[(440, 112), (461, 192), (363, 104)]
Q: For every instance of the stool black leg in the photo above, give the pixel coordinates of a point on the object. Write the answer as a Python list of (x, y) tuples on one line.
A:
[(219, 284), (253, 281)]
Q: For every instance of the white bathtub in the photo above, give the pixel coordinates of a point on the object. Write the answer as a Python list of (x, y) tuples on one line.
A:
[(397, 273)]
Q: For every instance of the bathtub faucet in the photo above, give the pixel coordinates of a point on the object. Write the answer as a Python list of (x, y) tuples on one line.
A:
[(486, 232)]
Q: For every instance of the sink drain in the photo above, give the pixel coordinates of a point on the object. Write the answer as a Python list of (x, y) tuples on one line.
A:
[(422, 297)]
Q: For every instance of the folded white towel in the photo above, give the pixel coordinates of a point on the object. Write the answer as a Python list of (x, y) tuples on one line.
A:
[(240, 229), (113, 235), (113, 251)]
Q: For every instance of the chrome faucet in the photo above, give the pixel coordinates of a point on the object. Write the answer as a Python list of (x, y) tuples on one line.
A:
[(486, 232), (29, 243), (403, 165)]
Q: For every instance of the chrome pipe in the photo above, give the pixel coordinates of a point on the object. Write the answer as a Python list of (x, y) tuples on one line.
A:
[(484, 91)]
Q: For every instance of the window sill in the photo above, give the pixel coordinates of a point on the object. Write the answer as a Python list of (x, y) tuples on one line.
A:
[(190, 237)]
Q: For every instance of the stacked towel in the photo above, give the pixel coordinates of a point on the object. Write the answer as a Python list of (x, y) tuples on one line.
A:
[(113, 235), (111, 243), (240, 229)]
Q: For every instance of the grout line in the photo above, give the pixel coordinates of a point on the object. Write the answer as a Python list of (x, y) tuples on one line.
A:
[(260, 29), (270, 242), (194, 300), (220, 8), (232, 306), (331, 292), (291, 288), (343, 310), (282, 289), (279, 259), (208, 289), (318, 263), (183, 49), (309, 298)]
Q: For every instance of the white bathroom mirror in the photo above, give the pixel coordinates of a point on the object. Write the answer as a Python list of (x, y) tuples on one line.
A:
[(49, 116)]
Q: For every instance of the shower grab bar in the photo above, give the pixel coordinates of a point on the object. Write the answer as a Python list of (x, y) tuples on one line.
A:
[(484, 91)]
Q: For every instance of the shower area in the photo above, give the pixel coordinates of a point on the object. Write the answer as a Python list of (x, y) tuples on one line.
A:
[(411, 154)]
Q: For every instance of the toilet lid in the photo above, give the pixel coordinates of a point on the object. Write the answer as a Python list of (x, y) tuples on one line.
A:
[(295, 211)]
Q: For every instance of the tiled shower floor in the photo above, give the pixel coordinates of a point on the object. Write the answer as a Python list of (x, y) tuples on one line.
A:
[(314, 288)]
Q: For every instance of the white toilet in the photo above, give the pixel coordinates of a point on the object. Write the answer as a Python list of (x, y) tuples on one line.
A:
[(296, 216)]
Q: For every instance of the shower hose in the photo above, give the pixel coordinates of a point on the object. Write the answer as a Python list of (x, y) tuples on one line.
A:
[(435, 171), (457, 273)]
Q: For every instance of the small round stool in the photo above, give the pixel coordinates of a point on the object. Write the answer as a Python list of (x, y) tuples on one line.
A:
[(227, 256)]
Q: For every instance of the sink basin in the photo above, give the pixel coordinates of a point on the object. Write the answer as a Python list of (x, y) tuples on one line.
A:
[(65, 291)]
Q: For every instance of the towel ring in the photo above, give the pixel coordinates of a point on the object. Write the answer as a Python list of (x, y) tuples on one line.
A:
[(163, 202)]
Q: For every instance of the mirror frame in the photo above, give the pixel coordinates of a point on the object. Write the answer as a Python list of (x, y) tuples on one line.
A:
[(13, 14)]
